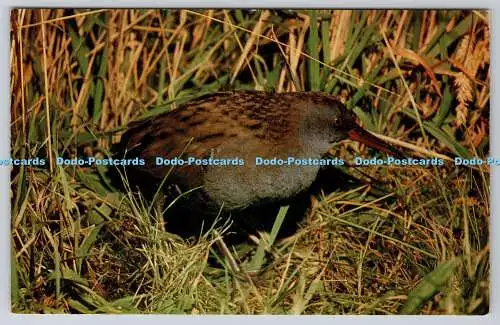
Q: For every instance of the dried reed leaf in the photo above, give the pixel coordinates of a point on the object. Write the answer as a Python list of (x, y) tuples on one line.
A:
[(251, 41), (419, 60)]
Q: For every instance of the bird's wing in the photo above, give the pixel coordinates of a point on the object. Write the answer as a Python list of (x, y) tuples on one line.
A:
[(226, 125)]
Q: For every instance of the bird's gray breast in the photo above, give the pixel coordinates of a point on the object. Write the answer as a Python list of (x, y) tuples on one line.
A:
[(238, 187)]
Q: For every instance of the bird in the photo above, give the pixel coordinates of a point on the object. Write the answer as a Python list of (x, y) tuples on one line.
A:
[(206, 154)]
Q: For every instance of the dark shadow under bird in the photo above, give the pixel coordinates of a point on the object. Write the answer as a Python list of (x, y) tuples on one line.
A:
[(219, 138)]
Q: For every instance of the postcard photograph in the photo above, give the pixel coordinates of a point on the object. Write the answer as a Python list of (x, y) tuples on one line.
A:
[(250, 161)]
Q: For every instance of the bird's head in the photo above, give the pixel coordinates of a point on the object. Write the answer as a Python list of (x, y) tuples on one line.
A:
[(328, 121)]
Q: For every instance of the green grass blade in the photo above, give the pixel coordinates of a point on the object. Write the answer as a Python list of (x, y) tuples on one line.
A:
[(429, 286), (442, 136), (313, 48), (461, 29), (258, 259)]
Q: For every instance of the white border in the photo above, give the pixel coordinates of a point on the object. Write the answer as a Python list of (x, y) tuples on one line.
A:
[(6, 317)]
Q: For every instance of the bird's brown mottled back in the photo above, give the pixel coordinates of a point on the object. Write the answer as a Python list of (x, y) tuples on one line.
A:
[(210, 122)]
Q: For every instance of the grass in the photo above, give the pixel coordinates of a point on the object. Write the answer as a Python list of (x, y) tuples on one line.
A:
[(421, 77)]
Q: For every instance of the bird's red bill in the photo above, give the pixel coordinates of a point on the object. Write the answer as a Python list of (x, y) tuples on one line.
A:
[(362, 136)]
